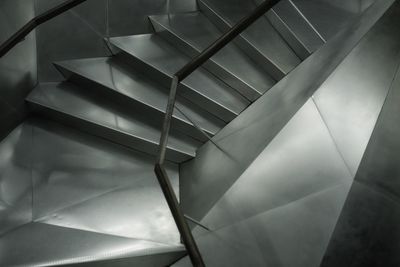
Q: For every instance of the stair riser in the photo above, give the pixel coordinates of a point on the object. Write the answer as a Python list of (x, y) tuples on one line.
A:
[(242, 43), (184, 90), (298, 32), (219, 71), (291, 38), (106, 133), (157, 116)]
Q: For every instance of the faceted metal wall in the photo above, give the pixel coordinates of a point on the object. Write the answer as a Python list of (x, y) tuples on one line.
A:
[(274, 199), (18, 67)]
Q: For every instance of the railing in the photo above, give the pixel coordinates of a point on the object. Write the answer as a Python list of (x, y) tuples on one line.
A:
[(184, 72), (36, 21)]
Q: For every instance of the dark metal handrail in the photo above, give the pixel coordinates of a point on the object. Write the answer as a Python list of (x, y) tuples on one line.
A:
[(184, 72), (36, 21)]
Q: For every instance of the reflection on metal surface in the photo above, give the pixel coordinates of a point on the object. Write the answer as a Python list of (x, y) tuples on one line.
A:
[(161, 60), (261, 41), (204, 181), (15, 179), (193, 33), (18, 67), (83, 183), (38, 244)]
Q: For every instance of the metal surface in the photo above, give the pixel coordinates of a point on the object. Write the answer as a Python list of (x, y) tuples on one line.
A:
[(17, 68), (193, 32), (125, 86), (270, 184), (261, 41), (352, 97), (370, 216), (78, 33), (36, 21), (38, 244), (321, 14), (69, 104), (161, 60), (295, 28), (15, 179), (206, 178), (184, 230)]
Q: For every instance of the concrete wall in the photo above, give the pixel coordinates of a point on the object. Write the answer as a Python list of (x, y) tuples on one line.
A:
[(18, 73)]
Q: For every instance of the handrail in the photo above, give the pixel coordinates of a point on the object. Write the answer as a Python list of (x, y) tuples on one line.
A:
[(36, 21), (184, 72)]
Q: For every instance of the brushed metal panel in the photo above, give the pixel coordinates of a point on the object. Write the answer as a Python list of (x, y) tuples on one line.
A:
[(300, 160), (259, 39), (194, 32), (379, 167), (206, 178), (297, 30), (78, 33), (18, 67), (367, 233), (145, 94), (38, 244), (295, 234), (84, 182), (70, 105), (15, 179), (325, 17), (161, 60), (352, 97), (131, 16)]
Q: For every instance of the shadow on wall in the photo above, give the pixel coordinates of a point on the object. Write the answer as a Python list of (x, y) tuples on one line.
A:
[(18, 68)]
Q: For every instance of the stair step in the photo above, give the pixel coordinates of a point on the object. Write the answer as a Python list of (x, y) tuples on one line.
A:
[(297, 30), (37, 244), (160, 60), (127, 87), (193, 33), (69, 104), (261, 41), (325, 17)]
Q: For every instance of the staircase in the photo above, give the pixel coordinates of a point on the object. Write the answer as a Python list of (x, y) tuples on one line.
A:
[(87, 194)]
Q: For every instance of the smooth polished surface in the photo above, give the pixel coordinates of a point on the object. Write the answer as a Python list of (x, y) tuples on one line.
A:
[(306, 146), (105, 197), (204, 181), (352, 97), (162, 61), (268, 47), (368, 231), (38, 244), (121, 83), (193, 32), (72, 106)]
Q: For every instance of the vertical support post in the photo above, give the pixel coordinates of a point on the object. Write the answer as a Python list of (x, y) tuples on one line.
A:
[(179, 218)]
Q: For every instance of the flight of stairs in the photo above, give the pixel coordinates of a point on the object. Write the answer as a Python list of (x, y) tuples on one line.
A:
[(121, 100)]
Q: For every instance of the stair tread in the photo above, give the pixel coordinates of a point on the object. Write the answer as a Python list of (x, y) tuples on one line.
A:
[(261, 35), (196, 30), (38, 244), (118, 77), (159, 54), (322, 13), (299, 25), (64, 97)]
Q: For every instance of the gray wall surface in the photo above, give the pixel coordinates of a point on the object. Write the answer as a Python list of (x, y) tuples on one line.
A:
[(18, 73), (79, 33)]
